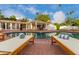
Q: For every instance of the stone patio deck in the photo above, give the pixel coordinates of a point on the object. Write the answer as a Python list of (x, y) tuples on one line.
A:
[(42, 47)]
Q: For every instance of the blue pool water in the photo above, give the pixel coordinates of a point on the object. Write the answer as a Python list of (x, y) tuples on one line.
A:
[(44, 35), (73, 35)]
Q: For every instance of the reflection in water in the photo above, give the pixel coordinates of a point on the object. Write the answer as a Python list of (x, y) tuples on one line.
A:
[(36, 35), (42, 35), (73, 35)]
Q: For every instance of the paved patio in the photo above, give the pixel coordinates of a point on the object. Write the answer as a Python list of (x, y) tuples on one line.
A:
[(42, 47)]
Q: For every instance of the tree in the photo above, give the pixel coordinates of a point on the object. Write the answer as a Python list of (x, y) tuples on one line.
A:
[(12, 18), (57, 26), (42, 17), (70, 13), (1, 16), (77, 22), (24, 20), (68, 21)]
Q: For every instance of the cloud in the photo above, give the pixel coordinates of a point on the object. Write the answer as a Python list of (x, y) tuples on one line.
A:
[(59, 17), (30, 19), (32, 10), (45, 12), (48, 13), (51, 13), (10, 12)]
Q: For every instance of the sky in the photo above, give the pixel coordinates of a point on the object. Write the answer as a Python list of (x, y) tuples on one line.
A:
[(29, 10)]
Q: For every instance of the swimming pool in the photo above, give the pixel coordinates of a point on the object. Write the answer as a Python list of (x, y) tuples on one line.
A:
[(36, 35), (73, 35), (43, 35)]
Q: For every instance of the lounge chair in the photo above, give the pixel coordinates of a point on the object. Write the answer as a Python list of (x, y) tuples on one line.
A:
[(15, 45), (70, 46)]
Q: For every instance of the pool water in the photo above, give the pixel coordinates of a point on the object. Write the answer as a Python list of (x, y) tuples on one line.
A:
[(36, 35), (44, 35), (75, 35)]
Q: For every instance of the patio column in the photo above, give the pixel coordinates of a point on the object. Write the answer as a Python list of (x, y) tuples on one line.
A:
[(36, 26), (0, 27), (11, 26), (15, 26), (26, 26), (19, 26), (31, 25), (5, 26)]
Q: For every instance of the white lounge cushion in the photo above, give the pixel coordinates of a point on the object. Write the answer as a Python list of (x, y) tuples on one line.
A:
[(72, 44), (12, 44)]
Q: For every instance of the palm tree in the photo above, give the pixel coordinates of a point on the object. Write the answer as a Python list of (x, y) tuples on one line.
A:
[(70, 12)]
